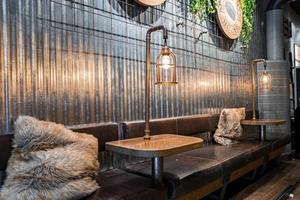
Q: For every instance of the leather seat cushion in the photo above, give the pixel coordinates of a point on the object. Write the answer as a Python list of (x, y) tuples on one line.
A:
[(120, 185), (179, 167), (257, 148), (230, 157), (183, 173), (280, 142)]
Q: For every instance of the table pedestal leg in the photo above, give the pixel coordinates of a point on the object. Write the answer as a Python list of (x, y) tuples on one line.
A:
[(263, 133), (157, 171)]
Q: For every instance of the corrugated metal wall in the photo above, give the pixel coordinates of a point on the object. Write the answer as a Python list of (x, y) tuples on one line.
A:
[(276, 103), (83, 61)]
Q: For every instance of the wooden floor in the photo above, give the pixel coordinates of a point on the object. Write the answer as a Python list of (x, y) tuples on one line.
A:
[(279, 175)]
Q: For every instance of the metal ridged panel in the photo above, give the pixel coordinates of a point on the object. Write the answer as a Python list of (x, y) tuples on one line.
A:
[(83, 61), (275, 104)]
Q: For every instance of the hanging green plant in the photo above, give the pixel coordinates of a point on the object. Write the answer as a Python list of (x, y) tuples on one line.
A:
[(202, 8), (248, 7)]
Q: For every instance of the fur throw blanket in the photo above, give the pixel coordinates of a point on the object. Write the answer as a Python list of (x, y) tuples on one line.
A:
[(229, 127), (50, 162)]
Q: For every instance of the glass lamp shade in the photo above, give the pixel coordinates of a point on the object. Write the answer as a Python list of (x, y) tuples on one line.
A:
[(265, 82), (166, 67)]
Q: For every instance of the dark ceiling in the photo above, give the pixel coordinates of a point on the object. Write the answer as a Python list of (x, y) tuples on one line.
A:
[(296, 6)]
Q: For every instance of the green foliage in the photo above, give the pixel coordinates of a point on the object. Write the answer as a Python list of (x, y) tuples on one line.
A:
[(248, 7), (202, 8)]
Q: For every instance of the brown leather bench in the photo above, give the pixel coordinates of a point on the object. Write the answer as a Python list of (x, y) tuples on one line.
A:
[(190, 175), (194, 174), (115, 184), (5, 152)]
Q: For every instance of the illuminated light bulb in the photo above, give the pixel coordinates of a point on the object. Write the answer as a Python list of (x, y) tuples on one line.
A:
[(166, 62), (265, 82), (265, 79)]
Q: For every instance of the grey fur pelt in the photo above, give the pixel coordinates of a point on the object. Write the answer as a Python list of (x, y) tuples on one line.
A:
[(50, 162), (229, 126)]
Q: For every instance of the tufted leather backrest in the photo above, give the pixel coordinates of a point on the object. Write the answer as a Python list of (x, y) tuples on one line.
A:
[(5, 150), (191, 125), (104, 132), (184, 125), (135, 129)]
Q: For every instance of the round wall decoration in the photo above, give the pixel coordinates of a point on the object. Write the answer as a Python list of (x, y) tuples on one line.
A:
[(229, 17), (150, 2)]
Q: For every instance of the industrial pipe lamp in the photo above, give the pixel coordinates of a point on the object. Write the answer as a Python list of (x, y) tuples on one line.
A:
[(265, 83), (165, 70)]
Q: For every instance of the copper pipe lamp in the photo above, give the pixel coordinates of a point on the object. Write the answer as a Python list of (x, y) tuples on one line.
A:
[(165, 71), (265, 83)]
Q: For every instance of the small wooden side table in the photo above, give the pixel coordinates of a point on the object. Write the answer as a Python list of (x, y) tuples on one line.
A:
[(263, 123), (156, 148)]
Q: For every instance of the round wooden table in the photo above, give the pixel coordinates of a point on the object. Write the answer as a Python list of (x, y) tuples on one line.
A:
[(262, 123)]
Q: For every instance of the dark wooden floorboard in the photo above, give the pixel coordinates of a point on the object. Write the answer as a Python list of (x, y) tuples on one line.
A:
[(280, 174)]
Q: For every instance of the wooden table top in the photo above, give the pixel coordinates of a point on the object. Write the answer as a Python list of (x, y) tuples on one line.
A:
[(259, 122), (158, 146)]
